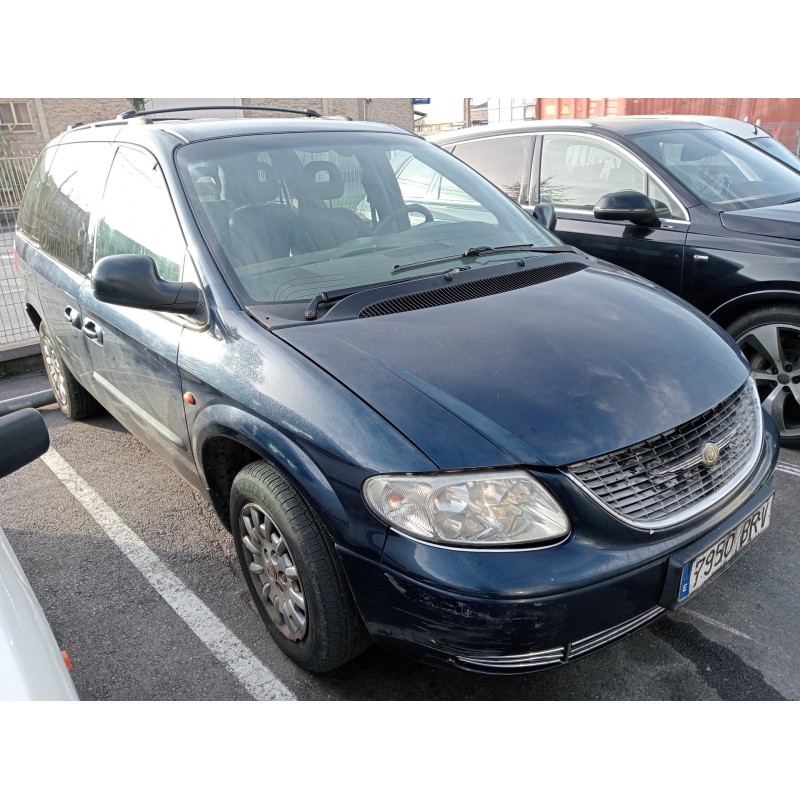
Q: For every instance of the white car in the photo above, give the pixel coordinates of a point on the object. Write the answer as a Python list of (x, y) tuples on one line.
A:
[(32, 666)]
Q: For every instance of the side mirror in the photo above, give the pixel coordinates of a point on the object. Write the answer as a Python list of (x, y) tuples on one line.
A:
[(24, 437), (133, 281), (629, 206), (545, 215)]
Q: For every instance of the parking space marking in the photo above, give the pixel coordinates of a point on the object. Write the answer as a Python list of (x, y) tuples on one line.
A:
[(234, 655), (716, 623), (789, 469)]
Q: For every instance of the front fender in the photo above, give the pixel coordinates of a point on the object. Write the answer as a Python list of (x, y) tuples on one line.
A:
[(342, 511)]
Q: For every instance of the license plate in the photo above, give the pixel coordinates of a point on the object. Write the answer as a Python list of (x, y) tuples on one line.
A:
[(713, 560)]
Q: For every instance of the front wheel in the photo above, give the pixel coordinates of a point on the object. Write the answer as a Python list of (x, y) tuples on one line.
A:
[(769, 337), (293, 572)]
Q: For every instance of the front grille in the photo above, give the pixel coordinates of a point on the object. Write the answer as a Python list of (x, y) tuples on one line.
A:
[(663, 480)]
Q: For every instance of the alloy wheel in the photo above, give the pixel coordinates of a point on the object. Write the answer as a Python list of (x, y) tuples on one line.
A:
[(274, 571), (52, 364), (773, 351)]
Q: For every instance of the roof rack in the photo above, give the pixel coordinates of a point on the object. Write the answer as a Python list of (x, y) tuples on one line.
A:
[(307, 112)]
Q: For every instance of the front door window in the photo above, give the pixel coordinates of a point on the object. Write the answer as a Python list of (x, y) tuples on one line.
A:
[(577, 171)]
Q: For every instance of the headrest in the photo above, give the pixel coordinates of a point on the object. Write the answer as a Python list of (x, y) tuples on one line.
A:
[(325, 179), (269, 187), (259, 184), (206, 182)]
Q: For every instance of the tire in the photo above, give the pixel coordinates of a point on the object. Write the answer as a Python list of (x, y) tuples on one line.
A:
[(73, 400), (768, 336), (293, 572)]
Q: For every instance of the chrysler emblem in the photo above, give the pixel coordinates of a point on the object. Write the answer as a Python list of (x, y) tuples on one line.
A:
[(710, 454), (707, 455)]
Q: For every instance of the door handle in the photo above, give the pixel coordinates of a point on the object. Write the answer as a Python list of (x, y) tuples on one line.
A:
[(700, 258), (74, 316), (93, 330)]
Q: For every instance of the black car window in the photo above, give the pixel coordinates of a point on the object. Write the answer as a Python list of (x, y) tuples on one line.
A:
[(723, 171), (576, 171), (501, 159), (137, 214), (64, 193)]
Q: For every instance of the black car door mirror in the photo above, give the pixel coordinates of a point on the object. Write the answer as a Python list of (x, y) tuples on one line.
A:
[(545, 214), (629, 205), (133, 281)]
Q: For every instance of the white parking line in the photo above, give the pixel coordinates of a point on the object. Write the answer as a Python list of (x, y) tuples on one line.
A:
[(234, 655), (789, 469), (715, 623)]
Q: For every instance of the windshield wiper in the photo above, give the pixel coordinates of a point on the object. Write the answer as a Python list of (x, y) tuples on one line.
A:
[(474, 252), (324, 297)]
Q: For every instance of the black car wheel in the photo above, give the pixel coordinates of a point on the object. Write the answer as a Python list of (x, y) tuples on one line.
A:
[(293, 572), (73, 400), (770, 340)]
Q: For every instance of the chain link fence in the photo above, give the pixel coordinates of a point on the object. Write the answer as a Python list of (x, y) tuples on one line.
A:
[(16, 163)]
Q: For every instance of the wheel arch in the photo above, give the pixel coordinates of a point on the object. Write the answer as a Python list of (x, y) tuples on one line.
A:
[(226, 439), (734, 308)]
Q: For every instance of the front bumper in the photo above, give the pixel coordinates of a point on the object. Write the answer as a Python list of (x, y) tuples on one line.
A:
[(520, 611)]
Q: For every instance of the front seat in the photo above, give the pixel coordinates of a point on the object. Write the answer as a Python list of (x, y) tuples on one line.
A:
[(261, 230), (218, 211), (320, 226)]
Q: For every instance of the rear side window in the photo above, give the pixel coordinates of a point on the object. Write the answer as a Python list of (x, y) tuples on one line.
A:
[(63, 191), (137, 215), (28, 218), (501, 159)]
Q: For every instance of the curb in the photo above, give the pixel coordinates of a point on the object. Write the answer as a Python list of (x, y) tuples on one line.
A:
[(16, 359)]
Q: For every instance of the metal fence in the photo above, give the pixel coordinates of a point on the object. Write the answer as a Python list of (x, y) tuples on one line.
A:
[(16, 163)]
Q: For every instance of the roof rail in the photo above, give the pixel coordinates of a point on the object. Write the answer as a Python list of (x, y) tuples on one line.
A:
[(307, 112)]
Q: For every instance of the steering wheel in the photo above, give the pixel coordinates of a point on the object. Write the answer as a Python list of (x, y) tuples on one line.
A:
[(718, 183), (405, 209)]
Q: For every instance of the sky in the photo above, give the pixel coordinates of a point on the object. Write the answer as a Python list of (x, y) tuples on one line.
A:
[(291, 50)]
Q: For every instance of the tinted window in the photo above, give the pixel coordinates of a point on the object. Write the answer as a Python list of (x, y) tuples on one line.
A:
[(28, 218), (577, 171), (776, 149), (67, 185), (722, 170), (501, 159), (137, 214)]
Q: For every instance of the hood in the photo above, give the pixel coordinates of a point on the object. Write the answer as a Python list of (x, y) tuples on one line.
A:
[(546, 375), (782, 221)]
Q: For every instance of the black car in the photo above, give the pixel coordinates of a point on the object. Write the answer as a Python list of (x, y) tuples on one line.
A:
[(429, 425), (695, 209)]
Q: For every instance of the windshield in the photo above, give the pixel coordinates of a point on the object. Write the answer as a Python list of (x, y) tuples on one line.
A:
[(289, 216), (723, 171)]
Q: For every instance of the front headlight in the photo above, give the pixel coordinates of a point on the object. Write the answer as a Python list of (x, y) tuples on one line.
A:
[(480, 509)]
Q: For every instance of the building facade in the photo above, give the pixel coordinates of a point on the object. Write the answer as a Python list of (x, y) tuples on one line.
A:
[(37, 120)]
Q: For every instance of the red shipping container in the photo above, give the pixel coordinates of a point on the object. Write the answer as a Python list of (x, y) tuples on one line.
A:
[(779, 116)]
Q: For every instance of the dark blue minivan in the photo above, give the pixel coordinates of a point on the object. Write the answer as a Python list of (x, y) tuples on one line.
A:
[(433, 426)]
